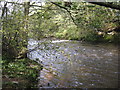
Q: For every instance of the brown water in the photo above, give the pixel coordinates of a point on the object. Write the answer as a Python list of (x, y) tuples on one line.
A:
[(75, 64)]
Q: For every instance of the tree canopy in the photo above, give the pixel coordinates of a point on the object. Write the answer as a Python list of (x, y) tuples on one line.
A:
[(92, 21)]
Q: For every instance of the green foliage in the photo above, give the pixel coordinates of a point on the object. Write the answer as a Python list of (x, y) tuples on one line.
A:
[(112, 38), (93, 37), (91, 19), (24, 70), (14, 33), (42, 24)]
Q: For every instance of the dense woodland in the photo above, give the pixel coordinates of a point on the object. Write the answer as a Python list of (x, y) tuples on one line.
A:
[(83, 21)]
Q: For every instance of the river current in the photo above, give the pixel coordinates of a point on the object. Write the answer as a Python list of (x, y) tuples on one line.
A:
[(74, 64)]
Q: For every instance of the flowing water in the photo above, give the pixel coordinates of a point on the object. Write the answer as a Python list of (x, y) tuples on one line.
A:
[(74, 64)]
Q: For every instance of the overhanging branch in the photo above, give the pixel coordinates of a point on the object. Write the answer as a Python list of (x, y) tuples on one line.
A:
[(105, 4), (67, 11)]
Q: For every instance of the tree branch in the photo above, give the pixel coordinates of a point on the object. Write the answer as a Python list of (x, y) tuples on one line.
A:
[(67, 11), (4, 9), (105, 4)]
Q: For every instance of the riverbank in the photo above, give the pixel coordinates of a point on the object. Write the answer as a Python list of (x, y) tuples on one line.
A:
[(113, 39), (20, 73)]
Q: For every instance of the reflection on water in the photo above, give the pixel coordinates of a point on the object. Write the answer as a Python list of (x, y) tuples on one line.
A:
[(76, 64)]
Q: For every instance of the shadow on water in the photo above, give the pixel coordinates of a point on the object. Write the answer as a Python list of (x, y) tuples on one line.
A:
[(76, 64)]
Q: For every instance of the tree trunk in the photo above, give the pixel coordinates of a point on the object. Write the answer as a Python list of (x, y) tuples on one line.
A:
[(26, 12)]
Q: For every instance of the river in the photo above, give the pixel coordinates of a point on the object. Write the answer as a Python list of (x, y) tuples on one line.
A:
[(75, 64)]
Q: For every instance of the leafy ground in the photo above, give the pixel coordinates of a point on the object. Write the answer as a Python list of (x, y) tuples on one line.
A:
[(22, 73)]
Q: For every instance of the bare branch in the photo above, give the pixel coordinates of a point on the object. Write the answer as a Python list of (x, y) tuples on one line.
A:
[(4, 9)]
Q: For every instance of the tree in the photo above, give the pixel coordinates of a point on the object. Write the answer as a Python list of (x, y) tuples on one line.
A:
[(15, 30)]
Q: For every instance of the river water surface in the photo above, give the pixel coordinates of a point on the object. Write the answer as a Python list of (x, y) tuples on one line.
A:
[(74, 64)]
